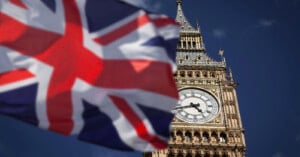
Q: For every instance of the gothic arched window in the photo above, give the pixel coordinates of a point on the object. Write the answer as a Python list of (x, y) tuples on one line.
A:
[(205, 74), (197, 74), (205, 137), (188, 136), (194, 44), (179, 136), (214, 137), (196, 137), (190, 44), (223, 137), (184, 44), (190, 73), (182, 73), (213, 74)]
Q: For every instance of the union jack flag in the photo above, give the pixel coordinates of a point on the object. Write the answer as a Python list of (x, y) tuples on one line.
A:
[(97, 69)]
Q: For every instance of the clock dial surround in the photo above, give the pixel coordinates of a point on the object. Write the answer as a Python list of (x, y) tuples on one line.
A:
[(196, 106)]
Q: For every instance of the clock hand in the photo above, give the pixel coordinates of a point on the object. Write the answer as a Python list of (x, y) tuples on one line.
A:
[(196, 107), (187, 106), (180, 107)]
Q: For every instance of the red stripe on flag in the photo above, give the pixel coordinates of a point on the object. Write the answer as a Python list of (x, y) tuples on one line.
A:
[(22, 38), (152, 76), (15, 75), (123, 30), (161, 22), (59, 98), (18, 3), (133, 25), (137, 123)]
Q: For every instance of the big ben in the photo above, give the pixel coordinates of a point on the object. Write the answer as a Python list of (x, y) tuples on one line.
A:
[(207, 120)]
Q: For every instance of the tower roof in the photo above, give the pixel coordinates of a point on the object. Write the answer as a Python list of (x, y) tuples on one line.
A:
[(191, 49), (182, 20)]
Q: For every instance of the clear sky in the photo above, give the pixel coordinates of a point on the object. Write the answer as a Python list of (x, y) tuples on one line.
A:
[(261, 43)]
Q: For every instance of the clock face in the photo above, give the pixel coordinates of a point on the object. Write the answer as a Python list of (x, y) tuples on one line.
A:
[(196, 106)]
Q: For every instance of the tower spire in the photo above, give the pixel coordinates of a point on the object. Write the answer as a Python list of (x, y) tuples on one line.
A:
[(182, 20)]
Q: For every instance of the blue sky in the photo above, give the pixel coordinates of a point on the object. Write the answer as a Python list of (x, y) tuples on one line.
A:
[(261, 43)]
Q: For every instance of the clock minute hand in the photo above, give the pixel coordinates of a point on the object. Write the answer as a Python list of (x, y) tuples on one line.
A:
[(186, 106)]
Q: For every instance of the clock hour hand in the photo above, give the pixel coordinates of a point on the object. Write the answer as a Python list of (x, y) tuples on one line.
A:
[(196, 106)]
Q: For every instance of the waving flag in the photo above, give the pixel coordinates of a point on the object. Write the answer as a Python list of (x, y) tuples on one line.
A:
[(97, 69)]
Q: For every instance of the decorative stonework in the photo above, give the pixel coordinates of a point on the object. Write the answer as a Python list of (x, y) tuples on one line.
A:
[(197, 59)]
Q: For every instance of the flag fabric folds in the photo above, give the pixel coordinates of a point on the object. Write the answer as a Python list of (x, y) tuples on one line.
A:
[(97, 69)]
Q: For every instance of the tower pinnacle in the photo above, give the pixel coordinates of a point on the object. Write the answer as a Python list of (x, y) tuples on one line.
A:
[(182, 20), (178, 2)]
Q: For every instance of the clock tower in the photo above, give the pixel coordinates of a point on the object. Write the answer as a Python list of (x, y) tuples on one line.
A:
[(207, 120)]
